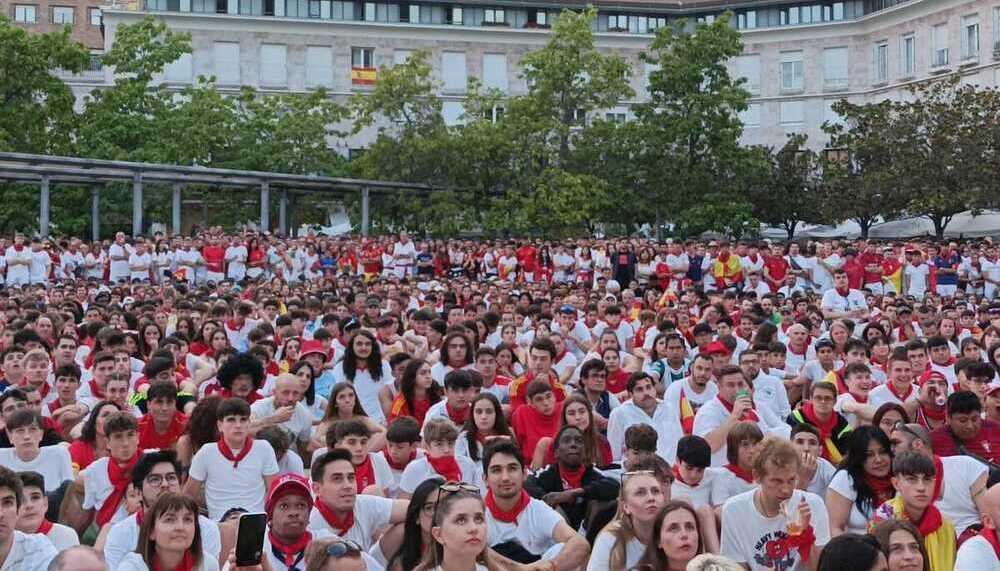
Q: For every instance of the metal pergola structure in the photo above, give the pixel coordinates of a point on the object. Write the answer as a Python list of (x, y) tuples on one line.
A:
[(47, 171)]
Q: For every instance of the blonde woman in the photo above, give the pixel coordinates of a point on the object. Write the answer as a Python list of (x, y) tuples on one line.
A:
[(621, 544)]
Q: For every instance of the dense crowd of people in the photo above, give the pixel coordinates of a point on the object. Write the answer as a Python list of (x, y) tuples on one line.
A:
[(528, 404)]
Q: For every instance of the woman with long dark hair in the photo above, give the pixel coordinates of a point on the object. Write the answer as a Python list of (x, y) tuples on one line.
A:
[(363, 366), (345, 405), (485, 423), (862, 482), (903, 545), (316, 404), (417, 392), (202, 428), (417, 527), (576, 411), (678, 538), (92, 443)]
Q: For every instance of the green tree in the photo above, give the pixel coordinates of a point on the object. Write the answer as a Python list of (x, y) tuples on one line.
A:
[(789, 190), (690, 120)]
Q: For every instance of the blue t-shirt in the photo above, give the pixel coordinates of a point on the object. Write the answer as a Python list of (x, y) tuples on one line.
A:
[(951, 262)]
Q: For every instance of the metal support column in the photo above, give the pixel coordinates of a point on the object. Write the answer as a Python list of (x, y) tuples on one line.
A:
[(283, 213), (43, 207), (95, 212), (265, 207), (364, 211), (175, 210), (137, 205)]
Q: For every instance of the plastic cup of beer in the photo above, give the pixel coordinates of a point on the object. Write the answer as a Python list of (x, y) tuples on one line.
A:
[(790, 508)]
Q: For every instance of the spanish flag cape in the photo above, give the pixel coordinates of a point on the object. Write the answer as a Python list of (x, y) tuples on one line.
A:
[(687, 415), (938, 532)]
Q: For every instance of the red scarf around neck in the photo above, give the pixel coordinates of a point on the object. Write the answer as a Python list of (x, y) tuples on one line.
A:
[(120, 477), (572, 479), (186, 564), (825, 428), (507, 516), (990, 535), (392, 463), (932, 414), (677, 476), (457, 416), (340, 526), (938, 478), (930, 521), (227, 452), (749, 415), (897, 394), (364, 474), (289, 552), (45, 527), (843, 292), (740, 473), (881, 487), (96, 390), (447, 467)]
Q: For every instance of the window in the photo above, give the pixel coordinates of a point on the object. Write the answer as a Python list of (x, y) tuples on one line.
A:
[(579, 117), (494, 17), (838, 11), (617, 23), (656, 23), (970, 37), (996, 29), (319, 66), (616, 117), (451, 112), (24, 14), (400, 56), (495, 71), (455, 15), (538, 18), (371, 12), (810, 14), (453, 71), (880, 61), (95, 17), (751, 115), (414, 14), (792, 71), (747, 20), (273, 65), (62, 15), (363, 70), (789, 16), (96, 62), (179, 70), (748, 67), (908, 55), (792, 113), (226, 58), (940, 54), (835, 68), (495, 114)]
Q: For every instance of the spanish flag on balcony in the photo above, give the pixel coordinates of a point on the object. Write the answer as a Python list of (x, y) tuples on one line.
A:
[(364, 75), (687, 415)]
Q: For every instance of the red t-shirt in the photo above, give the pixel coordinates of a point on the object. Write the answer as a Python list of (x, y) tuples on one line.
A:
[(215, 258), (530, 426), (81, 454), (519, 388), (149, 438), (777, 267), (855, 272), (985, 445), (527, 256), (871, 259)]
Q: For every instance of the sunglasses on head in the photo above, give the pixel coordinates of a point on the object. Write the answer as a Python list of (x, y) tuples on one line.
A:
[(343, 547), (452, 487)]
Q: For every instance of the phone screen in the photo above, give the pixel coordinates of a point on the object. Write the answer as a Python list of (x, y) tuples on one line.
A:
[(250, 539)]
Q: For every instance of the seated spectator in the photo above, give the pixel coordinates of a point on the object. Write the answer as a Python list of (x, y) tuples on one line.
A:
[(32, 516), (819, 411), (815, 472), (737, 476), (289, 461), (65, 410), (371, 470), (965, 432), (439, 437), (571, 484), (460, 387), (163, 424), (576, 412), (52, 462), (402, 447), (903, 545), (693, 475), (983, 550), (486, 423), (24, 552), (622, 543), (13, 400), (677, 538), (852, 551), (540, 418)]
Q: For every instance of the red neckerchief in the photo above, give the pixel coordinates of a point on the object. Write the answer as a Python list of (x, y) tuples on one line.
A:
[(447, 467), (289, 554), (392, 463), (937, 415), (740, 473), (507, 516), (805, 349), (364, 473), (95, 390), (44, 390), (139, 516), (902, 398), (881, 487), (54, 406), (340, 526), (457, 416), (938, 478), (990, 535), (677, 476), (251, 398), (186, 564), (18, 248), (843, 292), (930, 521), (860, 399), (750, 414), (120, 477), (825, 428), (901, 335), (45, 527), (227, 452), (572, 480)]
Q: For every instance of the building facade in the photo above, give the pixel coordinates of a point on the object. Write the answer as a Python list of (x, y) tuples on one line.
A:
[(799, 57), (83, 17)]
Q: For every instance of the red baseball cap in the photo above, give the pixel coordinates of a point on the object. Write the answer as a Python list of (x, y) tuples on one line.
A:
[(715, 348), (311, 346), (285, 485), (931, 374)]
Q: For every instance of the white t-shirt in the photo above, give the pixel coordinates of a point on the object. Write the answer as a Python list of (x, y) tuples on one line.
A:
[(52, 462), (713, 414), (63, 537), (628, 414), (769, 392), (237, 258), (97, 487), (533, 528), (134, 562), (371, 514), (833, 301), (299, 425), (40, 264), (956, 503), (600, 555), (843, 485), (420, 469), (976, 554), (918, 279), (882, 394), (123, 538), (367, 388), (119, 268), (728, 485), (137, 259), (751, 539), (672, 401), (29, 552), (700, 495), (821, 479), (227, 487)]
